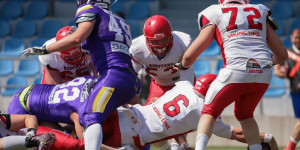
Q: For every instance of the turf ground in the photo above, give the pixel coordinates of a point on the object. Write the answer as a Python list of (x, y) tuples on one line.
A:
[(221, 148)]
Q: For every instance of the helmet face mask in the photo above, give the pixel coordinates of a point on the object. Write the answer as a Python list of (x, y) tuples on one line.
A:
[(203, 83), (158, 33), (229, 1), (74, 53), (104, 4)]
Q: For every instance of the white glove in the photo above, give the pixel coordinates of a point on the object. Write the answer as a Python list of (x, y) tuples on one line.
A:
[(35, 51), (126, 147)]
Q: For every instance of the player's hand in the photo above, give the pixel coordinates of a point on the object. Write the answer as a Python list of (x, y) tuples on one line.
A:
[(178, 66), (126, 147), (35, 51)]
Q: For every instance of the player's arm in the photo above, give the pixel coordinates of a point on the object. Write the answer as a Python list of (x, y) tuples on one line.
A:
[(81, 34), (52, 76), (237, 134), (234, 133), (202, 42), (78, 128), (276, 46)]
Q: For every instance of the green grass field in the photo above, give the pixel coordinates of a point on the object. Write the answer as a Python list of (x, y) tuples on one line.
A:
[(221, 148)]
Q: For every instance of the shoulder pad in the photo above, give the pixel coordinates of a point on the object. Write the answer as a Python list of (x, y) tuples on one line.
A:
[(86, 17)]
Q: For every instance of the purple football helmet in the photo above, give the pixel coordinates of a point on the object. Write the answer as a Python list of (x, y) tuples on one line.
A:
[(104, 4)]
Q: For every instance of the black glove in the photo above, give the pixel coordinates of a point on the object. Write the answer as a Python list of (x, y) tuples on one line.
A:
[(35, 51), (179, 66)]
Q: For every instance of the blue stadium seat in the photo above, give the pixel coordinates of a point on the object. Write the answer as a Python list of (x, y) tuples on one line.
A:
[(139, 10), (219, 65), (36, 10), (201, 67), (280, 31), (11, 10), (287, 43), (212, 51), (67, 1), (4, 28), (12, 47), (282, 10), (28, 67), (134, 28), (38, 80), (38, 42), (276, 88), (295, 24), (25, 29), (118, 7), (19, 0), (13, 85), (6, 67), (49, 28)]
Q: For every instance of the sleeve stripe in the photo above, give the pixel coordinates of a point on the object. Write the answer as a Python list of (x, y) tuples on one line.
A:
[(83, 8)]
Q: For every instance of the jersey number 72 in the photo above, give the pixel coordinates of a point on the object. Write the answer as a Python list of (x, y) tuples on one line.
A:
[(232, 22)]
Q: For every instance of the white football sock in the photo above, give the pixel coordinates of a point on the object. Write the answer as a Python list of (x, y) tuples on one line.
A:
[(93, 137), (201, 142), (14, 142)]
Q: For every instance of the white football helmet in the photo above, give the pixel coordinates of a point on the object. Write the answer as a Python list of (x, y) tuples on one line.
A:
[(239, 1)]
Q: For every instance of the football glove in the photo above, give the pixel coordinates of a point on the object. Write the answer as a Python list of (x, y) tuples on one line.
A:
[(126, 147), (35, 51)]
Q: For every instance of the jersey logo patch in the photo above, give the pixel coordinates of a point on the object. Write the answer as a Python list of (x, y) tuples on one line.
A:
[(102, 99)]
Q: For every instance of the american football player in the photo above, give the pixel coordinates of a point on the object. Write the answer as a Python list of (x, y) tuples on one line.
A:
[(65, 65), (107, 37), (244, 33), (158, 49), (175, 113)]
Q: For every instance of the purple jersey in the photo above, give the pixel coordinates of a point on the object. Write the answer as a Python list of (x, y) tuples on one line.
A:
[(109, 41), (52, 103)]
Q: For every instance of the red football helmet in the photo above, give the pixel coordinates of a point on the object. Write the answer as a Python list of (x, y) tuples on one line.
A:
[(239, 1), (203, 83), (158, 33), (71, 54)]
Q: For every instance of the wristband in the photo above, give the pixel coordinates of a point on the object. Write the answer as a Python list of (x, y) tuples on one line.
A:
[(180, 67), (185, 145), (268, 138)]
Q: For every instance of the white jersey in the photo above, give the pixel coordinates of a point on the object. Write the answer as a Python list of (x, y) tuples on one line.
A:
[(162, 70), (176, 112), (67, 71), (240, 31)]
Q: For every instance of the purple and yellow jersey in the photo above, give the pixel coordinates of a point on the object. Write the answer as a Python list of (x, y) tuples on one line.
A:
[(52, 103), (110, 39)]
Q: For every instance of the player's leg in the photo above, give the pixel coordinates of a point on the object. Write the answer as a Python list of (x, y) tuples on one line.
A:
[(214, 105), (294, 139), (18, 103), (115, 88), (244, 108)]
